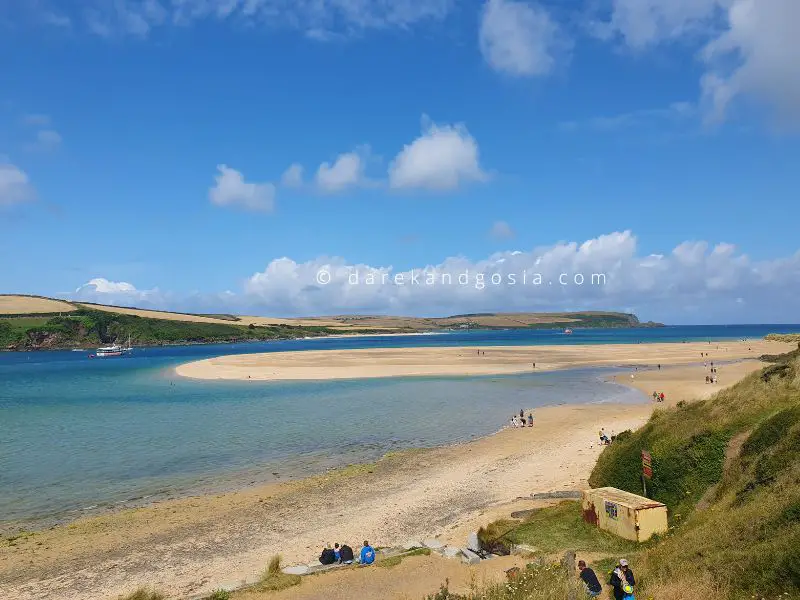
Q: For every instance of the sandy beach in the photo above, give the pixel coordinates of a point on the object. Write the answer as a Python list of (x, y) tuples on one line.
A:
[(464, 361), (193, 545)]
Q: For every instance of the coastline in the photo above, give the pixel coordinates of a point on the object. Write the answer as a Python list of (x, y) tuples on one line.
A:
[(459, 361), (441, 492)]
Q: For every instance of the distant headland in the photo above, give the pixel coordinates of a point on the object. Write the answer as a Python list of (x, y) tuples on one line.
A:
[(41, 323)]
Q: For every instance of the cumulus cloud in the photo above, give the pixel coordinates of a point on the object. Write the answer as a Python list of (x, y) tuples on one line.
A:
[(140, 17), (501, 231), (693, 282), (119, 293), (692, 274), (15, 186), (520, 38), (293, 176), (346, 171), (749, 47), (46, 140), (230, 189), (442, 158), (762, 44)]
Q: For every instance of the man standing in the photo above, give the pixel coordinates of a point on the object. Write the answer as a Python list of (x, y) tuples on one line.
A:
[(622, 581), (367, 554), (593, 587)]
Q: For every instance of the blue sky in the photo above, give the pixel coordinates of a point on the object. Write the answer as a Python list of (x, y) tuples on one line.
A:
[(148, 146)]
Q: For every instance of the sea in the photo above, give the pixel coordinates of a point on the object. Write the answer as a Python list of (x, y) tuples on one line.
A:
[(80, 436)]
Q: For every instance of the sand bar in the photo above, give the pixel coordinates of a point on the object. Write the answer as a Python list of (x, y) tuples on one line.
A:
[(460, 361)]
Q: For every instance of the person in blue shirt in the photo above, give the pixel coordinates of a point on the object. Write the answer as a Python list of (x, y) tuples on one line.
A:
[(367, 554)]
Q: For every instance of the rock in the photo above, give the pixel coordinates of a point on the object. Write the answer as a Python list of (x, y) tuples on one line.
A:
[(524, 549), (451, 552), (433, 544), (472, 542), (411, 544), (469, 557), (296, 570)]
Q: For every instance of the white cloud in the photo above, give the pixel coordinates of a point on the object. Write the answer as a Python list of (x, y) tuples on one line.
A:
[(694, 282), (762, 42), (442, 158), (501, 231), (140, 17), (675, 114), (643, 23), (231, 189), (657, 286), (46, 140), (750, 47), (345, 172), (293, 176), (120, 293), (15, 186), (520, 38)]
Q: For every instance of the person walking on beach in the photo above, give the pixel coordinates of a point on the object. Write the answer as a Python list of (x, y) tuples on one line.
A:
[(521, 414), (367, 554), (530, 419), (587, 575)]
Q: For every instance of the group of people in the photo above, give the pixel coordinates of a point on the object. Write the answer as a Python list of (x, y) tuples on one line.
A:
[(521, 421), (344, 555), (711, 376), (658, 396), (620, 579)]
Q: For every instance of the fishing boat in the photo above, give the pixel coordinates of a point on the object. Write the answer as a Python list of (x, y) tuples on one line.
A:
[(112, 351), (568, 331)]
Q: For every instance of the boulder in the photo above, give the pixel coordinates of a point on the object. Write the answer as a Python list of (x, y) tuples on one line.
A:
[(469, 557), (473, 543), (433, 544), (452, 552), (411, 544)]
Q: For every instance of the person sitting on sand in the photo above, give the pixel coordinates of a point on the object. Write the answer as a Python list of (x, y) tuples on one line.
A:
[(367, 554), (603, 437), (328, 556), (346, 554), (530, 419), (337, 552)]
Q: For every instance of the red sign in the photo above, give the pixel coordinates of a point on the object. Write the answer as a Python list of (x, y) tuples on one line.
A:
[(647, 464)]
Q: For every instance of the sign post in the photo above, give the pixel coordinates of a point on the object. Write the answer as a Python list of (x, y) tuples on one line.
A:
[(647, 470)]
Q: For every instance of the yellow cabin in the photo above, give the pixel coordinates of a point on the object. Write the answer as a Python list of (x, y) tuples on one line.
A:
[(624, 514)]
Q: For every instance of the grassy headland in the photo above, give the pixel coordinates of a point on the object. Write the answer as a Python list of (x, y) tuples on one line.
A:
[(728, 470), (88, 327)]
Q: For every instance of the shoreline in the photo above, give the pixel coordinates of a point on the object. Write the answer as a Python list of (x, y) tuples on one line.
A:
[(458, 361), (443, 493)]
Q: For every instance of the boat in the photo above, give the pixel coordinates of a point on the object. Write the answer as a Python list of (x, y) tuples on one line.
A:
[(568, 331), (112, 351)]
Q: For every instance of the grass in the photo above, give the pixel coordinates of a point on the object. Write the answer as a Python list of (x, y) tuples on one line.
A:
[(144, 593), (538, 581), (219, 595), (273, 579), (554, 529), (746, 542), (393, 561)]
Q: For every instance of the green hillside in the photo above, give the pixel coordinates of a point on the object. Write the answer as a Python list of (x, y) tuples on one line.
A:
[(85, 327)]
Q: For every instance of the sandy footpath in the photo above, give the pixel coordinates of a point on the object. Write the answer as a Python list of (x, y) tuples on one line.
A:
[(459, 361), (195, 544)]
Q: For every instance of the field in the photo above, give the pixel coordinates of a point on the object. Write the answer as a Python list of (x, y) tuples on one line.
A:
[(31, 305)]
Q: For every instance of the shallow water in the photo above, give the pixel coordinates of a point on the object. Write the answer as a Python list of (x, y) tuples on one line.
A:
[(79, 435)]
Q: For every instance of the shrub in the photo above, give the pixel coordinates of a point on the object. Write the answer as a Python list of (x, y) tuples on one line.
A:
[(219, 595), (273, 579), (144, 593)]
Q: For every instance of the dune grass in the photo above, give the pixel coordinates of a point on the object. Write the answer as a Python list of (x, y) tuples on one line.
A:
[(273, 579), (144, 593)]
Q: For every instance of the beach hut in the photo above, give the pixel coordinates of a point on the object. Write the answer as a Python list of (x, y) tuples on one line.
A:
[(624, 514)]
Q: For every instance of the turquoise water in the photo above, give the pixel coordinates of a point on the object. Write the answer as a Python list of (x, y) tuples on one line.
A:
[(80, 435)]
